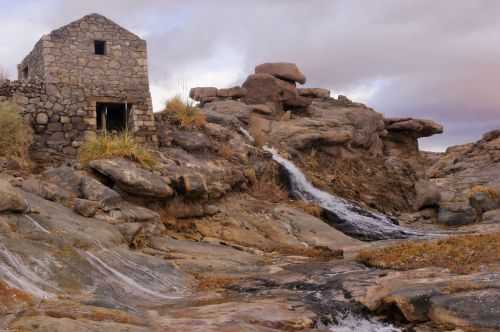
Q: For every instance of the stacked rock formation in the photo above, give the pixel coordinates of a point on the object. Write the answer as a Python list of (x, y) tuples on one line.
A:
[(273, 85)]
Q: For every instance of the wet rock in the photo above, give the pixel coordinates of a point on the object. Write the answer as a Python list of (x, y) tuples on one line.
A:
[(94, 190), (282, 70), (456, 215), (427, 195), (10, 199), (471, 311), (132, 179), (86, 208)]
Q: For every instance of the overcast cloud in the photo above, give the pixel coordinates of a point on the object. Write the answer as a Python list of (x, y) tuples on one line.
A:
[(428, 59)]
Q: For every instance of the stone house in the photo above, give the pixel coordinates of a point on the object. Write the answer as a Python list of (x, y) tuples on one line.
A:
[(86, 77)]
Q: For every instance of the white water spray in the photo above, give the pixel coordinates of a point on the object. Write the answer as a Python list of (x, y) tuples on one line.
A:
[(346, 216)]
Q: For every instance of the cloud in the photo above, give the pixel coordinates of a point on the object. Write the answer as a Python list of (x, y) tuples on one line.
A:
[(431, 59)]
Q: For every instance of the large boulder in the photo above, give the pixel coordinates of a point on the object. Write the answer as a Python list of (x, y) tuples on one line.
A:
[(282, 70), (10, 199), (132, 179), (456, 215), (235, 92), (263, 88), (203, 94), (94, 190), (314, 92), (228, 113), (417, 127)]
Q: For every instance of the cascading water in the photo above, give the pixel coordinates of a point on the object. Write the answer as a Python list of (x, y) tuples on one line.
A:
[(350, 323), (340, 213)]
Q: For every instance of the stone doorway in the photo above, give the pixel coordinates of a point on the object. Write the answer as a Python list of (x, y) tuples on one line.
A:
[(112, 117)]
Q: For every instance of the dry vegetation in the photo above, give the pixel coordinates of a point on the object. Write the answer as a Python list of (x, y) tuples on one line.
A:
[(267, 186), (461, 254), (112, 146), (310, 208), (15, 136), (484, 189), (185, 114)]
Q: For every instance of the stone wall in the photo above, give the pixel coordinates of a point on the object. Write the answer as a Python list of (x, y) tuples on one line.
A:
[(62, 116), (70, 79)]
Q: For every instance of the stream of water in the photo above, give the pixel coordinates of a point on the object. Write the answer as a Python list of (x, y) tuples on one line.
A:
[(346, 216)]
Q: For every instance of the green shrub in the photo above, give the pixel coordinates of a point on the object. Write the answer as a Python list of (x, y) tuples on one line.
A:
[(16, 135), (113, 146), (184, 113)]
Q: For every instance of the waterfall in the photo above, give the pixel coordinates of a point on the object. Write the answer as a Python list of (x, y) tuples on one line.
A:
[(347, 217), (350, 323)]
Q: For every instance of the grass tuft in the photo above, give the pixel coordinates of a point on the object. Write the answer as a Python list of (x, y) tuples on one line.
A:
[(15, 135), (461, 254), (185, 114), (116, 146)]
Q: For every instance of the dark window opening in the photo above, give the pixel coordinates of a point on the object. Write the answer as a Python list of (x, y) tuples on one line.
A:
[(112, 117), (100, 47), (26, 73)]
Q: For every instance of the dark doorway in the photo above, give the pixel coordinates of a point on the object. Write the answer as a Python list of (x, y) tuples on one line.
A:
[(112, 116)]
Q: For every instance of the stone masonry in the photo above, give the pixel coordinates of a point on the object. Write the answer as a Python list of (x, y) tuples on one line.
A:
[(63, 79)]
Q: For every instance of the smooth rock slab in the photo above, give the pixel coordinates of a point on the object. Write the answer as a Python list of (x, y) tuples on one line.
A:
[(132, 179), (472, 311)]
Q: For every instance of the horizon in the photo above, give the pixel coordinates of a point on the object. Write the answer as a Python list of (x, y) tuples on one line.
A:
[(396, 56)]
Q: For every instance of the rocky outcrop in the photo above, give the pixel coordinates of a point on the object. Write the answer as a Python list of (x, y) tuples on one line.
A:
[(468, 176), (133, 179), (282, 70)]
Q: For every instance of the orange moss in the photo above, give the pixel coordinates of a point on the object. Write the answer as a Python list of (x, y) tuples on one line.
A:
[(461, 254), (310, 208)]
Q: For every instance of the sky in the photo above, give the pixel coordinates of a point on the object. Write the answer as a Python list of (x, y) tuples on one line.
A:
[(429, 59)]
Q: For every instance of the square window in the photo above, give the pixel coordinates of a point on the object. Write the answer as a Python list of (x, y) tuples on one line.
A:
[(100, 47), (26, 73)]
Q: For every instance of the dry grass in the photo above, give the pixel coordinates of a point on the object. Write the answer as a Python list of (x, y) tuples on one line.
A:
[(226, 151), (461, 254), (267, 187), (15, 135), (310, 208), (492, 193), (114, 146), (185, 114)]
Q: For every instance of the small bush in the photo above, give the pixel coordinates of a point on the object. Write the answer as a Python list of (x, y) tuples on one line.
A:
[(187, 115), (113, 146), (15, 135), (484, 189), (267, 187)]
